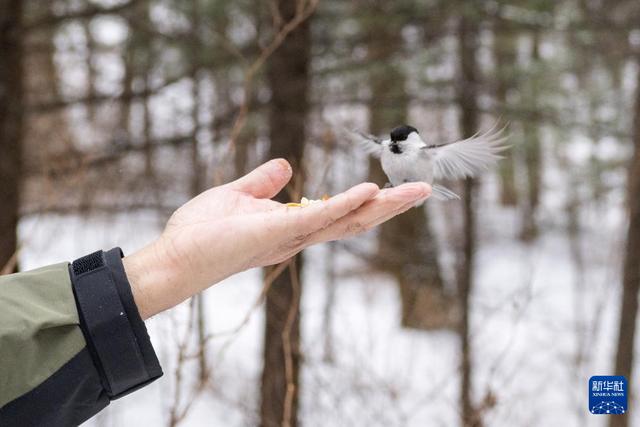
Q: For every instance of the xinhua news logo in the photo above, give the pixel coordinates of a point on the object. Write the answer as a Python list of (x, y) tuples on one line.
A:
[(608, 394)]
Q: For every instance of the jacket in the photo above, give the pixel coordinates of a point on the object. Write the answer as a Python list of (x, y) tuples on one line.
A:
[(71, 340)]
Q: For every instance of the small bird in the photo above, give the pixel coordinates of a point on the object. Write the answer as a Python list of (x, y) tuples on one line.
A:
[(405, 157)]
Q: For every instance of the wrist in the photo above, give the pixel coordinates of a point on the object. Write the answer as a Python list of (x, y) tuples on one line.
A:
[(156, 282)]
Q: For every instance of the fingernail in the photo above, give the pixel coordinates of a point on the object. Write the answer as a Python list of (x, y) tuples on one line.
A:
[(371, 186), (377, 189), (283, 165)]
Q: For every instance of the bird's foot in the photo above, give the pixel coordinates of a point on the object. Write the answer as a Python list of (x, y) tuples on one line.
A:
[(388, 185)]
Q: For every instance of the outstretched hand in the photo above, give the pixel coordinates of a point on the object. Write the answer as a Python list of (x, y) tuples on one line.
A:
[(236, 226)]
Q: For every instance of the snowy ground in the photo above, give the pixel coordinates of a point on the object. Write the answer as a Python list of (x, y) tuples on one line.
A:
[(524, 324), (541, 327)]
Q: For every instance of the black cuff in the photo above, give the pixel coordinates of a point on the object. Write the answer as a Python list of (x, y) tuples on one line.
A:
[(109, 319)]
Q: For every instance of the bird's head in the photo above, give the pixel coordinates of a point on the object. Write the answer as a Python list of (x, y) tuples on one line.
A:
[(399, 137)]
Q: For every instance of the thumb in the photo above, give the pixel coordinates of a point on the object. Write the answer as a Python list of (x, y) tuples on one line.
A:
[(265, 181)]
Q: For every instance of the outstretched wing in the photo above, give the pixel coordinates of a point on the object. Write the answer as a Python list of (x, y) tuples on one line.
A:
[(442, 193), (467, 157), (372, 144)]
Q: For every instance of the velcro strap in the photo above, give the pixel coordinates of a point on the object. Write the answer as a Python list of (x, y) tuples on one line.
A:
[(106, 326)]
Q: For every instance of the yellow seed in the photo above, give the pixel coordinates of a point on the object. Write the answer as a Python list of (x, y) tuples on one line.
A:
[(304, 202)]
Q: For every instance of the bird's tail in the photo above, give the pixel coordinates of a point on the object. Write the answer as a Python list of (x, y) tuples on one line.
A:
[(441, 193)]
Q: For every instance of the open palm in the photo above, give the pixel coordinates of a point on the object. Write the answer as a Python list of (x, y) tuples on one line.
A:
[(236, 226)]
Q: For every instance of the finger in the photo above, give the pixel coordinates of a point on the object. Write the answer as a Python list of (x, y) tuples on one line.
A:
[(369, 216), (387, 204), (336, 232), (266, 180), (322, 215), (353, 226), (387, 217), (302, 222)]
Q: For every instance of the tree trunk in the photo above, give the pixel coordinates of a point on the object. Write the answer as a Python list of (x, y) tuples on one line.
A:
[(197, 186), (469, 121), (92, 72), (11, 114), (41, 83), (197, 175), (288, 77), (406, 246), (143, 52), (504, 53), (631, 269), (137, 60), (532, 151)]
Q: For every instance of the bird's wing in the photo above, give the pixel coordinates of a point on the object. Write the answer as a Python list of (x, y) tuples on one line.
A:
[(467, 157), (442, 193), (372, 144)]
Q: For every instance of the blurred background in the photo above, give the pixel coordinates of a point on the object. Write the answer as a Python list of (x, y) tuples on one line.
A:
[(490, 311)]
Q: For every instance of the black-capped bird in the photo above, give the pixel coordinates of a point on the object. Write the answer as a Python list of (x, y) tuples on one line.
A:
[(405, 157)]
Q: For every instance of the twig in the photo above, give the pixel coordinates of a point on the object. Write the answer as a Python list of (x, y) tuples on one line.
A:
[(286, 346), (177, 414), (233, 333), (303, 11)]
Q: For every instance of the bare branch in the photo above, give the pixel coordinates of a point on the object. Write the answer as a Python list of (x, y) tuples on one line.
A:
[(87, 12), (302, 13)]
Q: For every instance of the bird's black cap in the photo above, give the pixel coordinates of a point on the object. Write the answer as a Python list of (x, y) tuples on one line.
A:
[(401, 133)]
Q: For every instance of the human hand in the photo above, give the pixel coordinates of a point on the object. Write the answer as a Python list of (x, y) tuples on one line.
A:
[(236, 226)]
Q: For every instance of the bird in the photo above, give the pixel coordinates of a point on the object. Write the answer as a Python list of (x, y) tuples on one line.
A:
[(406, 157)]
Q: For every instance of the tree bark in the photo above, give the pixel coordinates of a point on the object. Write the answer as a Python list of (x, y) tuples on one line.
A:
[(197, 174), (288, 78), (631, 269), (532, 151), (504, 53), (11, 115), (406, 246), (92, 72), (197, 186), (469, 121)]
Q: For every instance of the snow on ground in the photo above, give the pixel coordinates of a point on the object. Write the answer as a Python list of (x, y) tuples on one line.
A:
[(524, 329), (532, 309)]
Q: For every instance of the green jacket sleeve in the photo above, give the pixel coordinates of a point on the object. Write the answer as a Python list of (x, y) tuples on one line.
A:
[(71, 340), (39, 328)]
